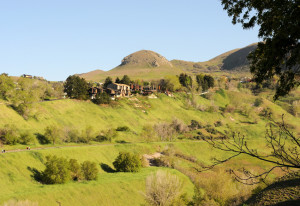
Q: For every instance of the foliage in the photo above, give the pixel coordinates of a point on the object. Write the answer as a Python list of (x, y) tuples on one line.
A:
[(123, 129), (6, 86), (162, 189), (9, 135), (102, 98), (127, 162), (57, 170), (53, 134), (258, 102), (75, 169), (278, 54), (148, 133), (76, 87), (205, 81), (185, 80), (107, 81), (195, 124), (165, 131), (26, 138), (117, 80), (107, 135), (125, 80), (89, 170)]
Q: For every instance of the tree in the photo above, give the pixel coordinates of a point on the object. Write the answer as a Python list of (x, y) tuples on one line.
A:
[(125, 80), (185, 80), (162, 189), (53, 133), (118, 80), (57, 170), (76, 87), (6, 86), (75, 169), (279, 53), (127, 162), (283, 151), (102, 98), (89, 170), (107, 81)]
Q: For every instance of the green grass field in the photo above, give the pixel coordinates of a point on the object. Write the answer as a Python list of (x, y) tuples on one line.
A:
[(126, 188)]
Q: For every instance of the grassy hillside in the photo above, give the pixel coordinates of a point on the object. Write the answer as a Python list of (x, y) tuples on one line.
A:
[(122, 188)]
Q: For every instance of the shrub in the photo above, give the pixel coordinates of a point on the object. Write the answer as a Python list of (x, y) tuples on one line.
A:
[(102, 98), (162, 188), (123, 129), (75, 169), (89, 170), (9, 135), (25, 138), (179, 126), (127, 162), (229, 108), (108, 135), (218, 124), (53, 134), (57, 170), (195, 125), (258, 102)]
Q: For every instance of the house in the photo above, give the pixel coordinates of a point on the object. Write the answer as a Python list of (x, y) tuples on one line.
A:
[(118, 90), (93, 91), (27, 76), (136, 88), (149, 90)]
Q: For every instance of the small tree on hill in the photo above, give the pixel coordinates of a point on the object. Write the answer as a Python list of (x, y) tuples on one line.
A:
[(125, 80), (89, 170), (76, 87), (107, 81), (162, 189), (53, 133), (75, 169), (185, 80), (127, 162), (102, 98), (57, 170), (118, 80)]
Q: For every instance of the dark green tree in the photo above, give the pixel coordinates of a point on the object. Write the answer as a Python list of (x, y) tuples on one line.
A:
[(118, 80), (107, 81), (76, 87), (102, 98), (125, 80), (279, 28), (127, 162), (185, 80), (210, 81)]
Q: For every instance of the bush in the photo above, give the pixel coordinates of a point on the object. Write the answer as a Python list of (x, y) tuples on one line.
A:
[(9, 135), (102, 98), (108, 135), (25, 138), (57, 170), (123, 129), (258, 102), (229, 108), (75, 169), (218, 124), (195, 125), (53, 134), (127, 162), (89, 170), (162, 188)]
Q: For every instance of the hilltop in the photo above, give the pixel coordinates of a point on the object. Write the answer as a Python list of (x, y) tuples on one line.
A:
[(149, 65)]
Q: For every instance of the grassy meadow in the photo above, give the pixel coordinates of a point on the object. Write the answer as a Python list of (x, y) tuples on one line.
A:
[(16, 174)]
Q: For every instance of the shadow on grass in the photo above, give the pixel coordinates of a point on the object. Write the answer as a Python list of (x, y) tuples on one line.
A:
[(107, 168), (42, 139), (121, 141), (36, 175)]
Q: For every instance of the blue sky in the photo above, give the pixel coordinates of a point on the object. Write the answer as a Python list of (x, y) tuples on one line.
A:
[(57, 38)]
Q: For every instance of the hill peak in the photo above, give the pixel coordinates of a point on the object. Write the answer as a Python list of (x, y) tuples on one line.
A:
[(145, 57)]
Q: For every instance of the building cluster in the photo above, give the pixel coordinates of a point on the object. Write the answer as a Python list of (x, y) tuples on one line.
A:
[(116, 90)]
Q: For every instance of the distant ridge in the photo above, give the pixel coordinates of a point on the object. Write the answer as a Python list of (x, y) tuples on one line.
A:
[(149, 65)]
